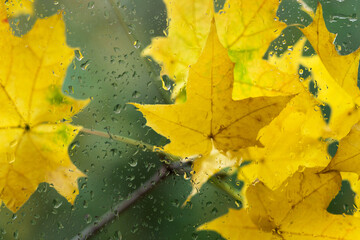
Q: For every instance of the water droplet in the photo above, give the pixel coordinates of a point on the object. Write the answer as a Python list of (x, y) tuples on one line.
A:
[(238, 203), (135, 228), (214, 211), (117, 109), (88, 218), (137, 44), (133, 162), (60, 226), (75, 144), (16, 234), (136, 94), (91, 5), (85, 65), (78, 55), (56, 203), (170, 218), (166, 82), (71, 89)]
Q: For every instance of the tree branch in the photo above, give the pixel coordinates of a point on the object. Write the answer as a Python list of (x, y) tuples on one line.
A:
[(235, 194), (121, 207), (175, 159), (178, 166)]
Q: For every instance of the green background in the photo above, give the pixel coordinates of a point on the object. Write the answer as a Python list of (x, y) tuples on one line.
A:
[(112, 73)]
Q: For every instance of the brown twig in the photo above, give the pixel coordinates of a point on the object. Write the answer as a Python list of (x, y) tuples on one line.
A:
[(178, 166), (121, 207)]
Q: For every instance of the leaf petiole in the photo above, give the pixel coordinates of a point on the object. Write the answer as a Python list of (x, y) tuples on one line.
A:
[(235, 194), (136, 143)]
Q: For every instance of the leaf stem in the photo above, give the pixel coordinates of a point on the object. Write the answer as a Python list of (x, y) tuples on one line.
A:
[(126, 140), (235, 194), (134, 142)]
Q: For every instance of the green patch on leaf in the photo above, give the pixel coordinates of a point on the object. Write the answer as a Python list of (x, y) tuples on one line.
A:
[(55, 96), (240, 70), (63, 134)]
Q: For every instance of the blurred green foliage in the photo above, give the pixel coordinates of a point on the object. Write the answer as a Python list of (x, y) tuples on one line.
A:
[(111, 35)]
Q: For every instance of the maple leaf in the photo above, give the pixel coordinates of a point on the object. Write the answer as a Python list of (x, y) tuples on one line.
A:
[(347, 157), (296, 210), (342, 68), (245, 28), (17, 7), (210, 117), (34, 125), (290, 140), (189, 26), (296, 137), (205, 167), (335, 77)]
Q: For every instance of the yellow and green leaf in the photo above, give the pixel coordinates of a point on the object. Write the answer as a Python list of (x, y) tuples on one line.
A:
[(35, 125), (210, 118)]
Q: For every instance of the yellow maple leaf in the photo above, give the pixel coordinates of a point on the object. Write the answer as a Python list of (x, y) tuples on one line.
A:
[(34, 125), (207, 166), (17, 7), (335, 77), (347, 156), (342, 68), (296, 210), (189, 26), (290, 140), (210, 117), (245, 28)]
